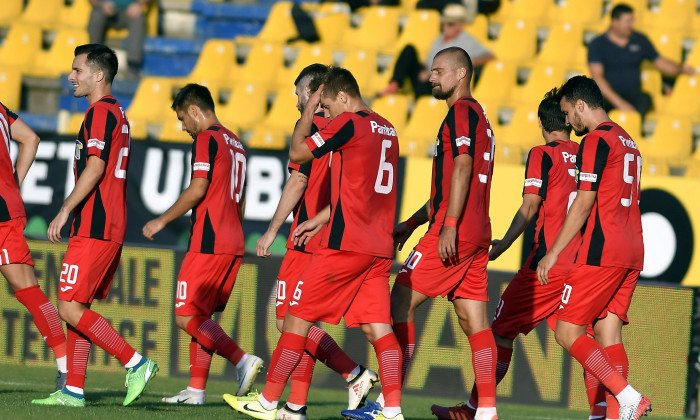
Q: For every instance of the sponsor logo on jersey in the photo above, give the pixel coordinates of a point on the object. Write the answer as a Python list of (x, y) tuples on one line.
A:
[(318, 139), (586, 177), (533, 182), (78, 148), (463, 141), (96, 143), (201, 166)]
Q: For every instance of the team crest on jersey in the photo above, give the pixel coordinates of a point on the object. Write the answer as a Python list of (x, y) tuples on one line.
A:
[(576, 172), (78, 148)]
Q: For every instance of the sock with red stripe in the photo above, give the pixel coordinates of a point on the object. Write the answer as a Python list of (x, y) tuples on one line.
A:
[(301, 380), (484, 358), (210, 335), (46, 320), (406, 336), (596, 396), (99, 331), (595, 359), (618, 356), (389, 356), (78, 347), (285, 358), (200, 362), (322, 347)]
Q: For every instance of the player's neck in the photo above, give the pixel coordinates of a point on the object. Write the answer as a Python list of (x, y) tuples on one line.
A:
[(98, 93), (554, 136), (210, 120), (458, 94), (598, 117)]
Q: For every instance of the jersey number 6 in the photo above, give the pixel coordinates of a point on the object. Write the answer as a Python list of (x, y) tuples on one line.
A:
[(384, 166)]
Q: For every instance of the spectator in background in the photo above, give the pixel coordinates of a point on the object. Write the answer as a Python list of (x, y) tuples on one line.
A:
[(454, 17), (615, 59), (120, 14)]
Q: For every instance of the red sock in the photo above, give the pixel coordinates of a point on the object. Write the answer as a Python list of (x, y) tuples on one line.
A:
[(285, 358), (45, 318), (406, 336), (200, 361), (484, 361), (322, 346), (503, 357), (594, 359), (210, 335), (301, 379), (100, 332), (389, 356), (618, 356), (596, 395), (78, 354)]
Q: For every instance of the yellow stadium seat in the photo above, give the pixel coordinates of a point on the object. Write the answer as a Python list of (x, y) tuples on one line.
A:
[(171, 131), (523, 129), (577, 11), (495, 84), (563, 42), (245, 108), (214, 64), (363, 65), (479, 28), (668, 43), (394, 108), (10, 11), (693, 58), (379, 29), (21, 45), (672, 14), (279, 25), (308, 54), (651, 84), (655, 167), (508, 153), (631, 121), (268, 138), (11, 87), (408, 5), (283, 114), (331, 22), (76, 15), (152, 100), (58, 59), (420, 30), (685, 99), (672, 138), (262, 64), (522, 9), (542, 78), (423, 126), (41, 13), (517, 41)]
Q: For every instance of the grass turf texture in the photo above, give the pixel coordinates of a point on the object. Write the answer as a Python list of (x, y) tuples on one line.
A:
[(105, 393)]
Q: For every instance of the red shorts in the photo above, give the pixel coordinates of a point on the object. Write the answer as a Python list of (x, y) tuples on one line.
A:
[(293, 264), (425, 272), (204, 283), (343, 284), (590, 292), (88, 268), (525, 302), (13, 245)]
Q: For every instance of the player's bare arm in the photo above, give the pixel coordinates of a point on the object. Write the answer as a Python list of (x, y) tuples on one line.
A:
[(459, 187), (403, 230), (299, 151), (28, 144), (528, 209), (307, 230), (86, 183), (291, 194), (575, 219), (188, 199)]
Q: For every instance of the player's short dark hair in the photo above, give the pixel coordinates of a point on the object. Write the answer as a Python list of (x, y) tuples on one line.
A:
[(339, 79), (620, 10), (550, 113), (100, 57), (194, 94), (583, 88), (461, 59), (312, 76)]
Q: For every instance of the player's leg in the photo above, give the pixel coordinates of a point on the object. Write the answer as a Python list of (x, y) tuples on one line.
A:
[(200, 362), (608, 332)]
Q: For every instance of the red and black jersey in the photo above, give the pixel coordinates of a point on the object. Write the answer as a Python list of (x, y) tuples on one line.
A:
[(11, 204), (609, 163), (317, 193), (105, 134), (465, 129), (363, 182), (550, 172), (218, 156)]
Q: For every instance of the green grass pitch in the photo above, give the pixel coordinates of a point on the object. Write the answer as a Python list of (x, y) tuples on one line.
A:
[(105, 393)]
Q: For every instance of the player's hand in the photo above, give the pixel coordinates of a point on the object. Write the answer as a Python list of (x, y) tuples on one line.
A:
[(446, 243), (108, 8), (262, 247), (498, 247), (315, 98), (544, 266), (401, 234), (54, 231), (134, 10), (305, 231), (153, 227)]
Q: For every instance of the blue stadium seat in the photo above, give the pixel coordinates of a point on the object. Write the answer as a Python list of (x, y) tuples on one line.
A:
[(231, 11), (225, 28), (169, 56)]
